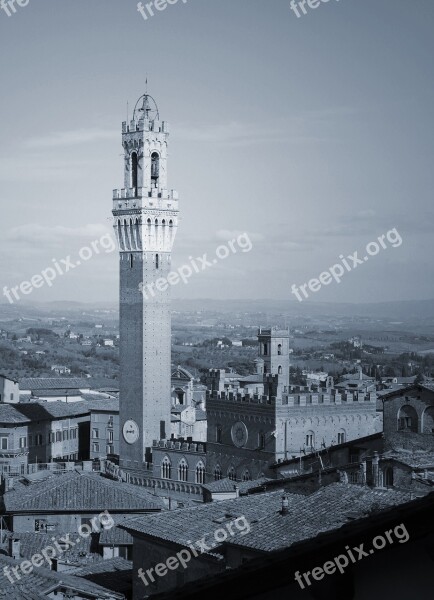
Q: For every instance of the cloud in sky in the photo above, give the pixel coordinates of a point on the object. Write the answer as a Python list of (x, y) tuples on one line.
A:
[(63, 237), (308, 126), (62, 139)]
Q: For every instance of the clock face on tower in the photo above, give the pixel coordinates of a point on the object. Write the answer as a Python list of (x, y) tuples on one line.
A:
[(130, 432), (239, 434)]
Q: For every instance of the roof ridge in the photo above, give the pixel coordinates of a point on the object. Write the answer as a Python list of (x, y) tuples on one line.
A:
[(44, 481)]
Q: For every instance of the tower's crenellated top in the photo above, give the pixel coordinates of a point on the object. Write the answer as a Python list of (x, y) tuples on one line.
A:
[(145, 209), (146, 117)]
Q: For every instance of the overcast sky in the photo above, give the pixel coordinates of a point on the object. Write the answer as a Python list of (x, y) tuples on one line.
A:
[(313, 134)]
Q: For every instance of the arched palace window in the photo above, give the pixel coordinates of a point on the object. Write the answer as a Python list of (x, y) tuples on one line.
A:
[(183, 470)]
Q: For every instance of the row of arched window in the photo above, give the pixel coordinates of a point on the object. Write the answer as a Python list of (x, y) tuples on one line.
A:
[(231, 474), (309, 440), (163, 222), (182, 470)]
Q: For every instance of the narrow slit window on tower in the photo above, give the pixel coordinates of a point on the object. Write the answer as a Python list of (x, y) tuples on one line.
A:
[(155, 169), (131, 261), (134, 166), (157, 261)]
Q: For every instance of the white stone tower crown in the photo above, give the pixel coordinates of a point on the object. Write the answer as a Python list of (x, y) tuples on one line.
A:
[(145, 211)]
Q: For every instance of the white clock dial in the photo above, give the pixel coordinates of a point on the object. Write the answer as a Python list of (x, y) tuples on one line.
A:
[(130, 432)]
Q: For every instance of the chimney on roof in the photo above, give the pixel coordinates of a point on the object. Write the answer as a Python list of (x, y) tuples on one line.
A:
[(285, 505), (237, 491), (14, 548)]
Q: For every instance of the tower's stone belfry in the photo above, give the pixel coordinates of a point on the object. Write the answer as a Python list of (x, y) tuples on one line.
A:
[(145, 221)]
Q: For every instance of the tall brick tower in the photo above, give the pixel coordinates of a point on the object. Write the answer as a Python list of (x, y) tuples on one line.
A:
[(145, 221)]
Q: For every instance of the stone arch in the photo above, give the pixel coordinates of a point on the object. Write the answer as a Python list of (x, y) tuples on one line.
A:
[(232, 474), (388, 477), (166, 468), (341, 436), (246, 476), (200, 472), (408, 419), (183, 470), (310, 439), (218, 473), (428, 420)]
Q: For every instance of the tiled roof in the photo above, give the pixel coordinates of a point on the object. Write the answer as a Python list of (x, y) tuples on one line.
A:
[(54, 383), (115, 536), (105, 566), (328, 509), (80, 553), (10, 414), (227, 485), (41, 581), (192, 523), (66, 393), (110, 405), (350, 443), (61, 383), (418, 460), (47, 411), (115, 574), (77, 491), (221, 485), (409, 388)]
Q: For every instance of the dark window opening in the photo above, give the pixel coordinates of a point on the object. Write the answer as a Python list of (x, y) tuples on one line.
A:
[(134, 169), (155, 169)]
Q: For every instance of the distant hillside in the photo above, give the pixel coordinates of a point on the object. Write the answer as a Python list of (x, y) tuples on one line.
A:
[(399, 310)]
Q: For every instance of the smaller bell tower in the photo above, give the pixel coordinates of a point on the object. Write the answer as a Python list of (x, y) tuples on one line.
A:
[(274, 353)]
